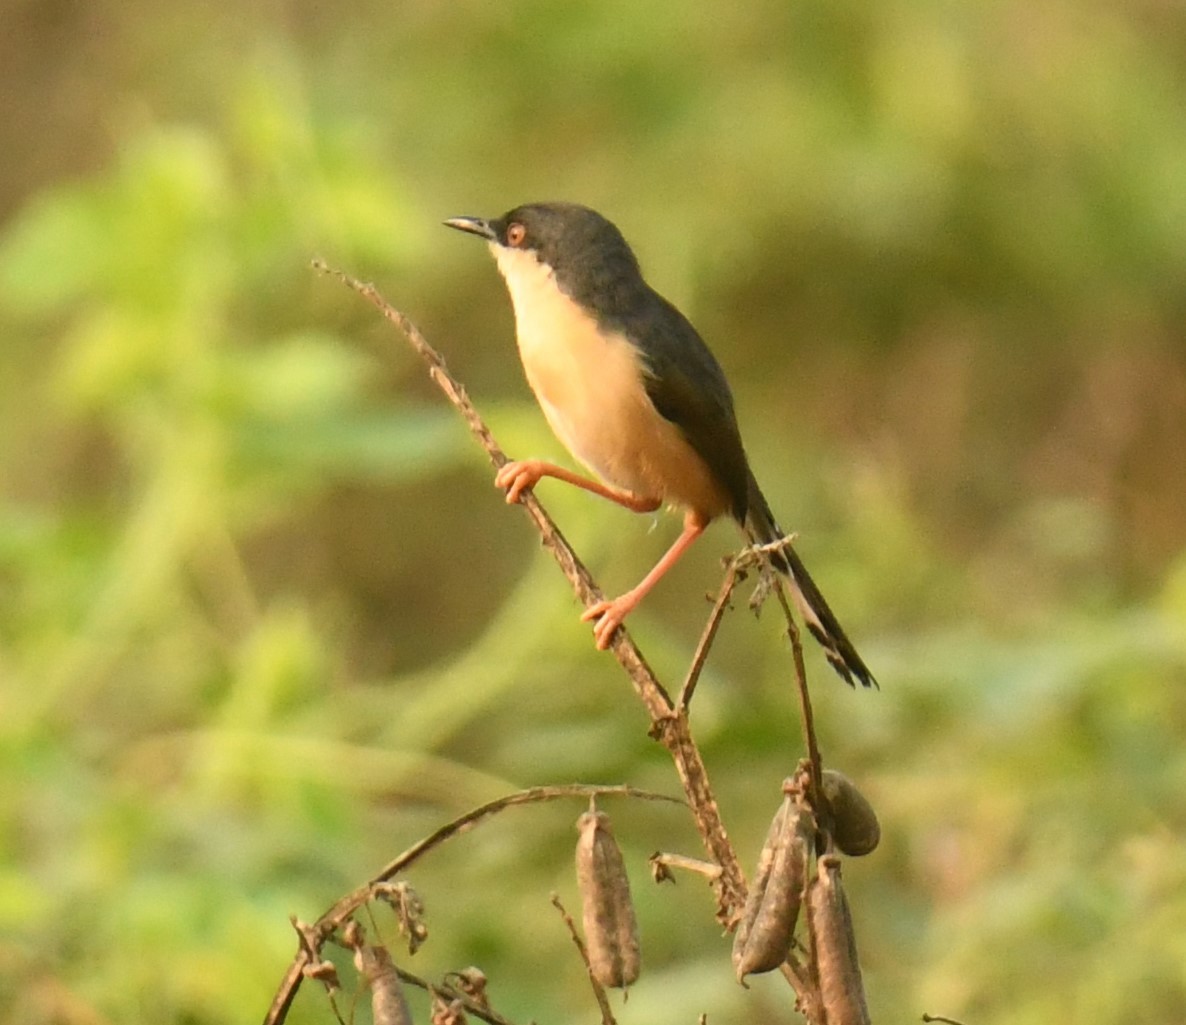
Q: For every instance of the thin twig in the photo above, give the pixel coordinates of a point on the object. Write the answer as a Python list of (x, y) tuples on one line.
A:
[(806, 717), (759, 554), (607, 1015), (733, 576), (656, 698), (662, 862), (471, 1006)]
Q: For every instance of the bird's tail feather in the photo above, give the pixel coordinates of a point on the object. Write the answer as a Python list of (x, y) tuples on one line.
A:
[(817, 615)]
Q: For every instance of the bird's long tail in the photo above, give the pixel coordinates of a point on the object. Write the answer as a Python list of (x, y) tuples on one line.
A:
[(817, 615)]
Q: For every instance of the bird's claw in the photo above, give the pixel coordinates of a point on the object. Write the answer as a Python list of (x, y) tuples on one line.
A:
[(609, 615), (518, 476)]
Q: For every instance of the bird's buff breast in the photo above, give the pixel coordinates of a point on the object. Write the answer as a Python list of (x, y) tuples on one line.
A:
[(590, 386)]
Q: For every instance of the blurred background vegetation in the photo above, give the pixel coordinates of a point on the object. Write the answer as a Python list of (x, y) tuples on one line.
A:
[(264, 621)]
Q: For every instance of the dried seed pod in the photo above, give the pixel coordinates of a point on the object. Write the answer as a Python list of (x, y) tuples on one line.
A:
[(841, 988), (611, 931), (767, 925), (855, 828), (388, 1006)]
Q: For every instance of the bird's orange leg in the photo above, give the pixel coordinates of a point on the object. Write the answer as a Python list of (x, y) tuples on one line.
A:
[(519, 475), (610, 614)]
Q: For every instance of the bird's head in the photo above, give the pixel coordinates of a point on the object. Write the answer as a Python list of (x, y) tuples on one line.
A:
[(584, 250)]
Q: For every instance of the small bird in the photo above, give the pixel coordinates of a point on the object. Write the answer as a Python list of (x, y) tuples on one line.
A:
[(632, 391)]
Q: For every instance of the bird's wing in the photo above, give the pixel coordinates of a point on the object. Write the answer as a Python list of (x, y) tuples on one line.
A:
[(688, 387)]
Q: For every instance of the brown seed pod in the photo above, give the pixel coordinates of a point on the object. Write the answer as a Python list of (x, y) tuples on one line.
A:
[(855, 828), (841, 988), (611, 931), (767, 925), (388, 1006)]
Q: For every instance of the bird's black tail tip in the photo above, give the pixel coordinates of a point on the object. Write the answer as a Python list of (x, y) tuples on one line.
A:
[(817, 616), (824, 626), (849, 666)]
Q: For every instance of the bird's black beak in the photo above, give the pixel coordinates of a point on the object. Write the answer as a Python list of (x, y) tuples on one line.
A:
[(474, 225)]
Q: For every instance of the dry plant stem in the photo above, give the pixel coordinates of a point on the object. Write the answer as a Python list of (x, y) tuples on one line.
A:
[(707, 869), (453, 993), (607, 1015), (935, 1017), (733, 576), (806, 717), (806, 990), (668, 725), (313, 937), (732, 579), (333, 1003)]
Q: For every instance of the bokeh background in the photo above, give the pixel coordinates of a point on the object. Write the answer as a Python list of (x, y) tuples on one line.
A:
[(264, 621)]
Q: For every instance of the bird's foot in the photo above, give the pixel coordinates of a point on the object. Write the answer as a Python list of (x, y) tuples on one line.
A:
[(609, 615), (520, 475)]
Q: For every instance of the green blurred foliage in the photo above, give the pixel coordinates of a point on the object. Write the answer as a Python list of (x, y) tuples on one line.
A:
[(263, 621)]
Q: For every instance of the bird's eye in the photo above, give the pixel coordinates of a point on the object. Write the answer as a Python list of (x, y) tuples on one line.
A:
[(516, 233)]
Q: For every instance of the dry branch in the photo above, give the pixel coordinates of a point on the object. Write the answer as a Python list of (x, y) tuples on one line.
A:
[(669, 725), (669, 722), (313, 937)]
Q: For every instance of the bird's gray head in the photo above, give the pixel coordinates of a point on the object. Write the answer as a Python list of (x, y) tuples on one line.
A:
[(587, 254)]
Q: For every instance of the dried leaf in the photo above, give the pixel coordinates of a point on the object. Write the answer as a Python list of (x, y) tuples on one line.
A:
[(409, 911), (472, 982), (447, 1012)]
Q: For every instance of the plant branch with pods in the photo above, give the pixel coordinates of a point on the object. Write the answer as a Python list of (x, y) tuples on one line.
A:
[(821, 815)]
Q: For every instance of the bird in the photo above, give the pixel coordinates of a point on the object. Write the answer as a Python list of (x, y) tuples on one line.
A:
[(633, 392)]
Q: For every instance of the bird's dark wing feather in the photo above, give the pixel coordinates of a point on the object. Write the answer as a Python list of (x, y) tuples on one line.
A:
[(688, 387)]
